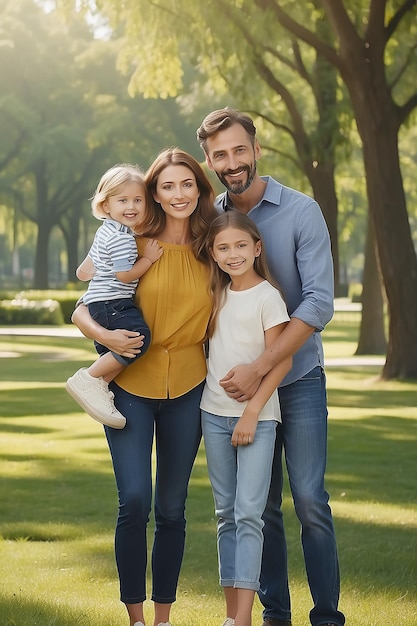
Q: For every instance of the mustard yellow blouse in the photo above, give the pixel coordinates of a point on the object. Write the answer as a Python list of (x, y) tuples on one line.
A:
[(175, 301)]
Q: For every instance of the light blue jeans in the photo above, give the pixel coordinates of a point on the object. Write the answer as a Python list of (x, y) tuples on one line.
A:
[(303, 435), (240, 479)]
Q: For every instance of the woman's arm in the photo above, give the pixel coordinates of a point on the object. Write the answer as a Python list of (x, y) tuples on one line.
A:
[(124, 342), (244, 432)]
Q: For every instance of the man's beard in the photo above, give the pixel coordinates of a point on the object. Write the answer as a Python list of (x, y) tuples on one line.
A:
[(238, 187)]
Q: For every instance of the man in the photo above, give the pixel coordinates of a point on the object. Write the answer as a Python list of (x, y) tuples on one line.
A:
[(298, 250)]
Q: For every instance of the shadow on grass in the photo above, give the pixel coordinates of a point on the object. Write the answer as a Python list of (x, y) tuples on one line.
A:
[(7, 426), (373, 460), (370, 398), (76, 499), (31, 401), (18, 611), (365, 456), (48, 359)]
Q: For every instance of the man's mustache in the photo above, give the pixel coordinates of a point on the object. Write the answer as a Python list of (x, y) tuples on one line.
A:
[(239, 169)]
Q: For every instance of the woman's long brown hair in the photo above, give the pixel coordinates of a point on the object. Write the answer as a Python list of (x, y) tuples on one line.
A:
[(204, 213)]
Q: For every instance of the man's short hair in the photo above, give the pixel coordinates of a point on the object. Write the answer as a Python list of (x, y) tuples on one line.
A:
[(222, 119)]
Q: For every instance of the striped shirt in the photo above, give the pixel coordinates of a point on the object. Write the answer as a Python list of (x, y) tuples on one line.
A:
[(113, 250)]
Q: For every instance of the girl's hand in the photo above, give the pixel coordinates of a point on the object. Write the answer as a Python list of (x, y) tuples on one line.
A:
[(152, 251), (245, 429)]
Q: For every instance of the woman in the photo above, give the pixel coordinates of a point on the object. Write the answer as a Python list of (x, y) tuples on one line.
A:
[(162, 390)]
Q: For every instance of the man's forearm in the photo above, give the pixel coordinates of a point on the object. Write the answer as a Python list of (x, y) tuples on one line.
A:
[(286, 345)]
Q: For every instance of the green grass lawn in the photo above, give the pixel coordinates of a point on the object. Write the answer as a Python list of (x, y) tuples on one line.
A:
[(58, 499)]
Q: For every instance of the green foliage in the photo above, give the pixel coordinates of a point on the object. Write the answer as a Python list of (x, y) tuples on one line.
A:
[(65, 117)]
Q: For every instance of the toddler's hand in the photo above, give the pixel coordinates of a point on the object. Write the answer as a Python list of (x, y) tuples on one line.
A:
[(153, 251)]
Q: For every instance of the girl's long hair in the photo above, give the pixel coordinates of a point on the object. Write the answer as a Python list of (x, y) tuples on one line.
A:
[(219, 280), (204, 213)]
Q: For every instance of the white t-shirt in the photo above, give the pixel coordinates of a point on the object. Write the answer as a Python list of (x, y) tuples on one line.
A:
[(239, 338)]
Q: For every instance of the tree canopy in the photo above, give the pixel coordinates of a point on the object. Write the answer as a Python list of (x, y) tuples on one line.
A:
[(73, 104), (65, 117), (372, 47)]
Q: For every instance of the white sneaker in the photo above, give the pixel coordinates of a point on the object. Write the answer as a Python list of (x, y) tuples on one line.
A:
[(229, 622), (164, 624), (94, 396), (138, 624)]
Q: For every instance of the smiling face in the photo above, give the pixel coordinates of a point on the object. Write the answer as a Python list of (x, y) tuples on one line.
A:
[(234, 251), (232, 156), (177, 191), (128, 205)]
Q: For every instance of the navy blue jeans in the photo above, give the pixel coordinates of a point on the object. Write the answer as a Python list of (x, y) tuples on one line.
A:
[(176, 426), (303, 435), (120, 313)]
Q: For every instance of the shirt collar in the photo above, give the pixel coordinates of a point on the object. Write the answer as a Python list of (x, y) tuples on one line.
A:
[(118, 226), (272, 195)]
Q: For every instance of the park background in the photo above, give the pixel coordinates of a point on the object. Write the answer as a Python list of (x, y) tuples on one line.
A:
[(331, 86)]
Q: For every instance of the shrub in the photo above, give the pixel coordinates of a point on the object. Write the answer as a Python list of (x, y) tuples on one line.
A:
[(67, 300), (21, 311)]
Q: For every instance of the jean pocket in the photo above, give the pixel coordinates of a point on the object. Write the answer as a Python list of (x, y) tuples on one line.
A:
[(314, 374)]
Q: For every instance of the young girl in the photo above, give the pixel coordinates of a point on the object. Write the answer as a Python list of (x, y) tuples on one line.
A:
[(248, 314), (114, 270)]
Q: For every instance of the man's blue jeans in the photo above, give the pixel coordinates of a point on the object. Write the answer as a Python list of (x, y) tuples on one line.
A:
[(177, 426), (240, 480), (303, 435)]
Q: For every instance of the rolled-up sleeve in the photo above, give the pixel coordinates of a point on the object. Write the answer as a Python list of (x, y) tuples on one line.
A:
[(315, 267)]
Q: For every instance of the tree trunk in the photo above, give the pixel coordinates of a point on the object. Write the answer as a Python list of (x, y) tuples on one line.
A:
[(378, 118), (44, 223), (315, 150), (388, 211), (372, 334), (73, 263), (322, 181), (41, 280), (322, 177), (361, 62), (71, 233)]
